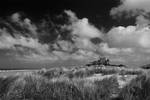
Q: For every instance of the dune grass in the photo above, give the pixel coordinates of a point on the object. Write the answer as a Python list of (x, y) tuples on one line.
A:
[(60, 84), (36, 87), (137, 89)]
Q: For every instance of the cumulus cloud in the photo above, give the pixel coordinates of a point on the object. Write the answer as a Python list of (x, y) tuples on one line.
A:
[(133, 40), (142, 21), (129, 37), (122, 44), (72, 15), (18, 43), (82, 32), (29, 47), (82, 27), (15, 17), (114, 50), (64, 46), (9, 42), (133, 37), (133, 8), (86, 42), (25, 24)]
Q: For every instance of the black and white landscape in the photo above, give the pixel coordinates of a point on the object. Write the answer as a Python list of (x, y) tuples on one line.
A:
[(75, 50)]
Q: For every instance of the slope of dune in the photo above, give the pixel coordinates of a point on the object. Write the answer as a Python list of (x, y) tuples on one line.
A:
[(95, 82)]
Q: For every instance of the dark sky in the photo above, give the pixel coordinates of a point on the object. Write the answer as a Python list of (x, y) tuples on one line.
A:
[(97, 11)]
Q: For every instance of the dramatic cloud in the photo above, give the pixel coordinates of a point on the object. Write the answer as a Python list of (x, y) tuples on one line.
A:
[(9, 42), (89, 38), (82, 32), (25, 39), (133, 40), (76, 39), (24, 24), (82, 27), (132, 5), (21, 45), (133, 8)]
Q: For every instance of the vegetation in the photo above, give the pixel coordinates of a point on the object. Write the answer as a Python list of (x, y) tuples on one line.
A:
[(75, 84), (138, 89)]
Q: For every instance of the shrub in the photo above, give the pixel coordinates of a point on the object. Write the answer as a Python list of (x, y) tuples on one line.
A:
[(138, 89)]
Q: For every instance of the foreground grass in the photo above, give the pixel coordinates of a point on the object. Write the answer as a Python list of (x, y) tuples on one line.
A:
[(138, 89), (35, 87), (75, 84)]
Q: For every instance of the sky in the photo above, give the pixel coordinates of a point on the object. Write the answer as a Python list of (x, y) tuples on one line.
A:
[(44, 34)]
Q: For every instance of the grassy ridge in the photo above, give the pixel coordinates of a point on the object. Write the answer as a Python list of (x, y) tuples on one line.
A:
[(76, 84)]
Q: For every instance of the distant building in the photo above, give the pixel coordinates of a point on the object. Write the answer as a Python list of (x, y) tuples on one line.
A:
[(145, 66), (121, 65), (100, 61)]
